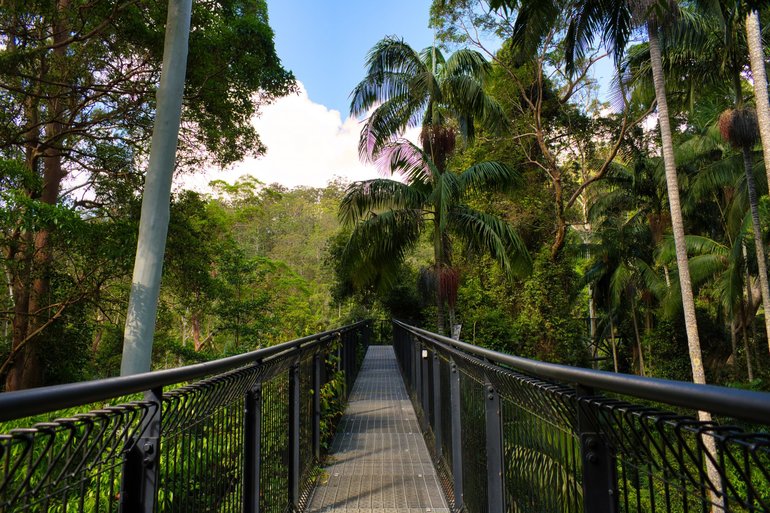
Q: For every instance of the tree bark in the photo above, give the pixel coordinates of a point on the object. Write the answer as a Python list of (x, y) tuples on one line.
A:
[(677, 223), (757, 62), (153, 224), (764, 286)]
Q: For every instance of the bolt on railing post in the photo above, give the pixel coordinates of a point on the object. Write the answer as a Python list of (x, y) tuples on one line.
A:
[(317, 406), (457, 438), (252, 449), (437, 403), (139, 485), (494, 435), (294, 435), (599, 475)]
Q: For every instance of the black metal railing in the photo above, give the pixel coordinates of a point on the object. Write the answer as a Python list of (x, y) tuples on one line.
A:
[(238, 434), (517, 435)]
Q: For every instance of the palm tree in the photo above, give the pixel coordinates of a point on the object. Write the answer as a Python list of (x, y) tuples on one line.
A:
[(388, 217), (712, 55), (757, 60), (410, 89)]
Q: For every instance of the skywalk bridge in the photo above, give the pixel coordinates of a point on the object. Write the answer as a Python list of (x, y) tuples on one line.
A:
[(432, 425)]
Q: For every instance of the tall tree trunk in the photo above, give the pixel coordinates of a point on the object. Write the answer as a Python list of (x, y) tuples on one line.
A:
[(757, 61), (764, 286), (26, 370), (637, 336), (677, 223), (153, 224)]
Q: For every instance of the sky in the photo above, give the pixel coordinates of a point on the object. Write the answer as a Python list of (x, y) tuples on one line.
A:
[(309, 136)]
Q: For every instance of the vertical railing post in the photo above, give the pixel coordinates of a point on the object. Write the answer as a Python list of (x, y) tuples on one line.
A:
[(294, 435), (599, 474), (437, 403), (317, 406), (457, 438), (141, 464), (494, 432), (425, 383), (252, 449), (416, 386)]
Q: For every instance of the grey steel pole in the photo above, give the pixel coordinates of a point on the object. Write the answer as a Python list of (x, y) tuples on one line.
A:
[(494, 435), (153, 224), (252, 449)]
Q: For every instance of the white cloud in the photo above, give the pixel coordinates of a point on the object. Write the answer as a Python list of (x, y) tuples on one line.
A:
[(307, 144)]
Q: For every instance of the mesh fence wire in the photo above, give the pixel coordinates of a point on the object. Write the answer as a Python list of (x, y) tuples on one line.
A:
[(81, 462), (659, 460)]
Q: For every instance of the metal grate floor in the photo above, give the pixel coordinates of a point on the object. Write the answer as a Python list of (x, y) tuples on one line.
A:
[(378, 461)]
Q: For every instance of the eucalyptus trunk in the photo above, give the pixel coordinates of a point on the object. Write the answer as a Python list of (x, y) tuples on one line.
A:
[(153, 224), (757, 61)]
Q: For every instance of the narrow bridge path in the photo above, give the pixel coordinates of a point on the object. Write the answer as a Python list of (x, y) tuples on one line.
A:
[(379, 462)]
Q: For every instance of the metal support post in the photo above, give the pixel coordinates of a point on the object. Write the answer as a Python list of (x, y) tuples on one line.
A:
[(317, 407), (437, 403), (415, 368), (252, 449), (425, 384), (494, 434), (457, 438), (599, 473), (139, 485), (294, 435)]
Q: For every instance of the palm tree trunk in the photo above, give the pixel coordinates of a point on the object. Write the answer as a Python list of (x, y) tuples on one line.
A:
[(677, 224), (764, 286), (639, 349), (757, 61)]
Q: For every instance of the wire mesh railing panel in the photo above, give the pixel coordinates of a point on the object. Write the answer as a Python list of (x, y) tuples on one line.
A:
[(70, 464), (201, 461), (308, 464), (274, 467), (474, 449), (537, 437), (221, 436), (672, 462), (541, 464)]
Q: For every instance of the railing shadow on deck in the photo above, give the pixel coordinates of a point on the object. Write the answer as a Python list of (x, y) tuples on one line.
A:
[(237, 434), (517, 435)]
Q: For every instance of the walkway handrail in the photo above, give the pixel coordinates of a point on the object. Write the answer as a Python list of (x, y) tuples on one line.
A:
[(33, 401), (243, 433), (736, 403), (513, 434)]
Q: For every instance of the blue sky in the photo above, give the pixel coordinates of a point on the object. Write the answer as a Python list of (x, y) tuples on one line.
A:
[(325, 42), (309, 137)]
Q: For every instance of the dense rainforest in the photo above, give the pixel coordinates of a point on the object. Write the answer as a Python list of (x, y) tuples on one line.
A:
[(534, 215)]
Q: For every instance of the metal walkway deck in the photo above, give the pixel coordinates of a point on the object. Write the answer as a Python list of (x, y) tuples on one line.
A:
[(379, 462)]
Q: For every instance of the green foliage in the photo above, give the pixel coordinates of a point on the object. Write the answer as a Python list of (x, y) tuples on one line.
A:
[(546, 326)]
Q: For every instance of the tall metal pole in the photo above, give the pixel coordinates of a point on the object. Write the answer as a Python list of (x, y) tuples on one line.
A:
[(153, 224)]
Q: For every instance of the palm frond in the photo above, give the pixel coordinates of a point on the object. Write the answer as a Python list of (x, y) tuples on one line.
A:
[(466, 62), (385, 123), (379, 244), (404, 157), (487, 233), (364, 198), (389, 64), (489, 176)]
